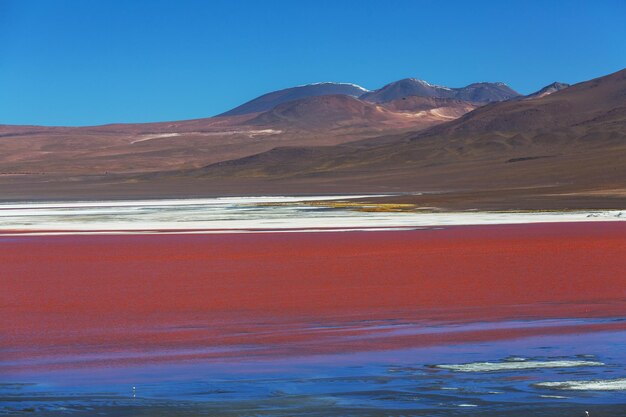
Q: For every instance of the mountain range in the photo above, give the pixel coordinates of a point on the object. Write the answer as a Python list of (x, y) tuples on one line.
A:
[(316, 114), (479, 146), (409, 87), (477, 92)]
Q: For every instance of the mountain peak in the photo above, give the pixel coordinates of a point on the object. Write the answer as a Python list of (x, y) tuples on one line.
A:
[(406, 87), (422, 83), (270, 100), (333, 83), (548, 89), (415, 80), (482, 92)]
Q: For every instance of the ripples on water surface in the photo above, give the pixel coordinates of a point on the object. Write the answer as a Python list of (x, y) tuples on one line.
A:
[(541, 375)]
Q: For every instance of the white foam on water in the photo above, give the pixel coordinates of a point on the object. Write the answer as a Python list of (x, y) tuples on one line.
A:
[(515, 365), (594, 385)]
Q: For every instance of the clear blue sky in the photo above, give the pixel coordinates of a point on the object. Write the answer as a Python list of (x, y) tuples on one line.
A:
[(91, 62)]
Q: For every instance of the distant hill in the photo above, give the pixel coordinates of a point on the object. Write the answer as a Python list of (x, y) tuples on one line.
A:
[(151, 147), (478, 92), (270, 100), (332, 112)]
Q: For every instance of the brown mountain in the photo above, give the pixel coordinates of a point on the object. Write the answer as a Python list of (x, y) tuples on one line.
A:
[(483, 92), (270, 100), (563, 150), (334, 112), (442, 107), (324, 112), (77, 155), (568, 147), (127, 148), (408, 87)]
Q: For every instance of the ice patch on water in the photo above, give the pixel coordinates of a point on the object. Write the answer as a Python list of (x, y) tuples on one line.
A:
[(595, 385), (515, 365)]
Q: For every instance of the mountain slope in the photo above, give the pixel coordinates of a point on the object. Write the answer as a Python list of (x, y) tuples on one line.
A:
[(322, 112), (485, 92), (332, 112), (273, 99), (547, 90), (577, 105), (137, 148)]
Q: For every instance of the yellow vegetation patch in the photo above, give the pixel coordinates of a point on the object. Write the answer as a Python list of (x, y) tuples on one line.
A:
[(350, 205), (365, 207)]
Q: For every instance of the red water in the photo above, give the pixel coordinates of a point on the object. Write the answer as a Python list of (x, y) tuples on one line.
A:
[(64, 294)]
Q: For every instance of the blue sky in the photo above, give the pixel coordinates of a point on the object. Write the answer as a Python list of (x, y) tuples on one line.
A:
[(92, 62)]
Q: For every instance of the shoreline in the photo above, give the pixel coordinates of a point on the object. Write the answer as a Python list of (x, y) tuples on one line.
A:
[(183, 232), (559, 196), (268, 214)]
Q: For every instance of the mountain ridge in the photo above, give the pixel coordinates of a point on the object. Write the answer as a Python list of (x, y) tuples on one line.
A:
[(547, 90), (480, 92)]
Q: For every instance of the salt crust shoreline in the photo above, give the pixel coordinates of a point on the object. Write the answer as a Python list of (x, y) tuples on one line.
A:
[(249, 214)]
